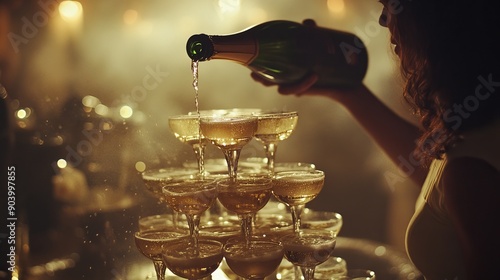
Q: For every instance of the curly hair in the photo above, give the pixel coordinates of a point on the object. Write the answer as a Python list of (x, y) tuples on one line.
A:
[(449, 57)]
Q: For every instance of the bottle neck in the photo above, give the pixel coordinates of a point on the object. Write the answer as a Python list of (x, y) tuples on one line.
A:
[(236, 47)]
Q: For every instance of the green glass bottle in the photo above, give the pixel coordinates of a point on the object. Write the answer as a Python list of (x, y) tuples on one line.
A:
[(285, 52)]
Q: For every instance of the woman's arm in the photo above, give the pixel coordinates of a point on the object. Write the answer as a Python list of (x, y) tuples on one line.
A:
[(395, 135), (392, 133)]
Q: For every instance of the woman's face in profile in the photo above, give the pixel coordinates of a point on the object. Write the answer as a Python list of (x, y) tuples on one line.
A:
[(385, 20)]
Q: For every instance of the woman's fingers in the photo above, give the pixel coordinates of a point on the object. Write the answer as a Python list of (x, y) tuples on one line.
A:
[(299, 88), (309, 22), (256, 77)]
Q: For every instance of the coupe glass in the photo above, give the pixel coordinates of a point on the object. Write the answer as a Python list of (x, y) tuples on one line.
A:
[(274, 127), (328, 220), (256, 261), (193, 265), (245, 197), (230, 134), (296, 188), (151, 244), (155, 179), (318, 220), (191, 197), (186, 128), (308, 248)]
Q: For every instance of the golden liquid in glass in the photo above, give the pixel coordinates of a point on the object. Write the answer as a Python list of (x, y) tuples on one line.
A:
[(308, 250), (258, 261), (189, 198), (182, 263), (275, 128), (297, 190), (229, 132), (151, 244), (187, 129), (245, 199)]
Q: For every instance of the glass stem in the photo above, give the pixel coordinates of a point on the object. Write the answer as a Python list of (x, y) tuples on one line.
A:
[(308, 272), (194, 223), (175, 219), (270, 155), (232, 157), (246, 227), (160, 269), (297, 272), (199, 151), (296, 213)]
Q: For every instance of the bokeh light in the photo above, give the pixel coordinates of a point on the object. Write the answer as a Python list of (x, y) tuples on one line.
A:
[(126, 112), (336, 7), (70, 10), (61, 163), (130, 16)]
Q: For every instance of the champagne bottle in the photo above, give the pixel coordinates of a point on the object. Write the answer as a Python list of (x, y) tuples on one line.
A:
[(284, 52)]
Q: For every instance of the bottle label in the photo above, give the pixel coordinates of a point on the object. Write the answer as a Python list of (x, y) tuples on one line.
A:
[(244, 52)]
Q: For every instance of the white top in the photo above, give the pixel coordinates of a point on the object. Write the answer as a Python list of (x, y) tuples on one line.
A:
[(431, 241)]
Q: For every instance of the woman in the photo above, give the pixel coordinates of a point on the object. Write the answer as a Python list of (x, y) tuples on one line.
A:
[(450, 60)]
